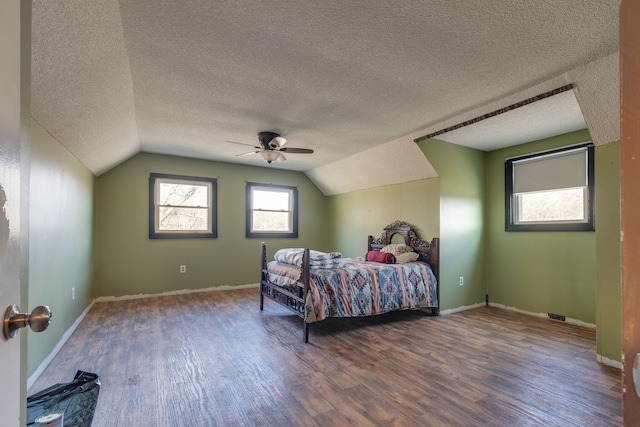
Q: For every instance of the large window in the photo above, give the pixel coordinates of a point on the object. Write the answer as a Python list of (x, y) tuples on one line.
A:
[(182, 207), (551, 191), (272, 211)]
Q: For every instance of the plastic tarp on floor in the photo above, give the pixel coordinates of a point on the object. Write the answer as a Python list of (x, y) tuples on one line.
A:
[(77, 400)]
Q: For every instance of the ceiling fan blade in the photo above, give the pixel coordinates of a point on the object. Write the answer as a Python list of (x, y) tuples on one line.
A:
[(242, 143), (296, 150), (246, 154)]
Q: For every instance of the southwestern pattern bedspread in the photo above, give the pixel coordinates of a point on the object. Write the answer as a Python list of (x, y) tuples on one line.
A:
[(360, 288), (315, 285)]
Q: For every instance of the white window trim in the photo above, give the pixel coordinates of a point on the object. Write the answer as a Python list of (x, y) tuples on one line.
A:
[(155, 180), (293, 211)]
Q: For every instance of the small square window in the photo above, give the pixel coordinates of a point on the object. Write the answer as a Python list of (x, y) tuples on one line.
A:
[(551, 191), (272, 211), (182, 207)]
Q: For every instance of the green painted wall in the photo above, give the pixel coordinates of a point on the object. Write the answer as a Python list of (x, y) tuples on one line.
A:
[(608, 261), (356, 215), (539, 272), (129, 263), (60, 240), (449, 207), (462, 245)]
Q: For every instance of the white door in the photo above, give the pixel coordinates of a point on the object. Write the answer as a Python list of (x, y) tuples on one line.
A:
[(14, 119)]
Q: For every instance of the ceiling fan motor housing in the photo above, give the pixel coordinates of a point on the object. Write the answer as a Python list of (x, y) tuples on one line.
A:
[(270, 140)]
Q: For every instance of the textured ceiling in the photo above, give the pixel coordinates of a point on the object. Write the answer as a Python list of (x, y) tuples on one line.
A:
[(113, 78)]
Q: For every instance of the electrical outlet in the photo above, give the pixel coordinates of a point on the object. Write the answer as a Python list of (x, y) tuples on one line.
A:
[(73, 293), (183, 269), (461, 280)]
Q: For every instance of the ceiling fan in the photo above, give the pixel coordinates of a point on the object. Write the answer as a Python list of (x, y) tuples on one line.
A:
[(271, 147)]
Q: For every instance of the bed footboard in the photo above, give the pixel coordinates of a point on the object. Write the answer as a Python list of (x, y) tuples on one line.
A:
[(292, 300)]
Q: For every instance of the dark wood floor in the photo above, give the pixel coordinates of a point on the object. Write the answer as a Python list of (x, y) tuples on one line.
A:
[(214, 359)]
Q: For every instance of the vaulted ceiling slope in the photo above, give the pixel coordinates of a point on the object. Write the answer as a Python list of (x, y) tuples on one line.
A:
[(353, 80)]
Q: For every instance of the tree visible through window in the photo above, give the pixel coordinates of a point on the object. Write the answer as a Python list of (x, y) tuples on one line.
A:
[(553, 205), (272, 211), (181, 206)]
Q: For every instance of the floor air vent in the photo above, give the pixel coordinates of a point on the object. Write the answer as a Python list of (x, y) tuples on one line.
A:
[(554, 316)]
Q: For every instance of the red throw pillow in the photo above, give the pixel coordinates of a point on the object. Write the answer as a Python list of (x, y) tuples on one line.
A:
[(383, 257)]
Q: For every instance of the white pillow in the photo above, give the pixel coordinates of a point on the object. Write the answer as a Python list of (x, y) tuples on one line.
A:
[(397, 249), (406, 257)]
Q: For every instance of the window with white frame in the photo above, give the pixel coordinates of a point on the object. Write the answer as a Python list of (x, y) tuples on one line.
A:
[(272, 211), (182, 207), (551, 191)]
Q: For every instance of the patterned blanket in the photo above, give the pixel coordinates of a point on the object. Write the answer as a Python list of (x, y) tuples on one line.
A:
[(360, 288)]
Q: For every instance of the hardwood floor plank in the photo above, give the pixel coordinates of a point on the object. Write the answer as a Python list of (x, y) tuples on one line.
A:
[(346, 403), (215, 359)]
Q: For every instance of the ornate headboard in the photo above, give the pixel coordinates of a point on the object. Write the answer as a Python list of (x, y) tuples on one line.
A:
[(428, 251)]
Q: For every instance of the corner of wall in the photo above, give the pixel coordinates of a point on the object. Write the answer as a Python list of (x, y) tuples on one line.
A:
[(462, 209), (608, 252)]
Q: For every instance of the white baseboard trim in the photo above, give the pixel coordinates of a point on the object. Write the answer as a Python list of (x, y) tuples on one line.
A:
[(462, 308), (178, 292), (544, 315), (34, 377), (608, 362)]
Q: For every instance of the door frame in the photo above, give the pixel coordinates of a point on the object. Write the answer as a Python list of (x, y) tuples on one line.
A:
[(630, 202)]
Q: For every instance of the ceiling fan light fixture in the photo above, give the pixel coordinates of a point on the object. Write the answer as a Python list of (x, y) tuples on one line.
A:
[(269, 156)]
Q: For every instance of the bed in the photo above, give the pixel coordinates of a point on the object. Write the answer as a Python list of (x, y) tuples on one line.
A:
[(398, 272)]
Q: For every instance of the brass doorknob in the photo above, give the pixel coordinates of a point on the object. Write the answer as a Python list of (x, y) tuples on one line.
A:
[(38, 320)]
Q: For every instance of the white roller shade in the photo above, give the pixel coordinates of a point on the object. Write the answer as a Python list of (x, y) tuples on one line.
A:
[(563, 170)]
